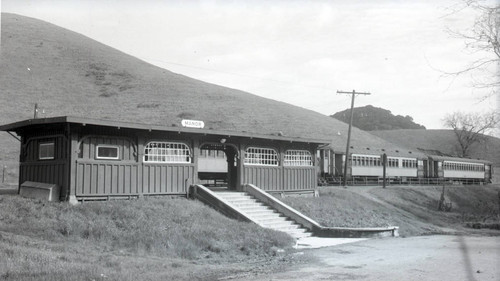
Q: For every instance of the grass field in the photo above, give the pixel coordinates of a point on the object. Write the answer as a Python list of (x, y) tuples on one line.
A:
[(412, 208), (150, 239), (181, 239)]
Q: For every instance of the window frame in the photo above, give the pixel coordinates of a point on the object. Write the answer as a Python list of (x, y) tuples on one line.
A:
[(97, 157), (302, 159), (47, 143), (253, 156), (178, 147)]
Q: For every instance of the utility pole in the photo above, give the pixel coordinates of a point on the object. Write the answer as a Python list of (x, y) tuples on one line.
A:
[(353, 94), (35, 113)]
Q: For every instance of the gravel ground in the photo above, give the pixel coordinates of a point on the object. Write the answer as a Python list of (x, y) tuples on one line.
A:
[(438, 257)]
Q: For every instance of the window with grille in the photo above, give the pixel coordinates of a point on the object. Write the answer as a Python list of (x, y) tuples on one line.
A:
[(46, 151), (298, 158), (261, 156), (167, 152)]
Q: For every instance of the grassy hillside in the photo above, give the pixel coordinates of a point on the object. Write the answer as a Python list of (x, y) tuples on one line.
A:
[(444, 141), (181, 239), (150, 239), (70, 74), (413, 209)]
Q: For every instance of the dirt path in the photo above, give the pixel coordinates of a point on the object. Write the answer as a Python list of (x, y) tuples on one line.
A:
[(415, 258)]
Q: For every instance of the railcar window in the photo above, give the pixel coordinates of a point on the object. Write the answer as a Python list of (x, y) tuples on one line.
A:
[(261, 156), (46, 151), (463, 166), (167, 152), (298, 158), (392, 162)]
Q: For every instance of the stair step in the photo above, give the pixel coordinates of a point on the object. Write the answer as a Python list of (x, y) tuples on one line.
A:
[(248, 204), (273, 220), (263, 214), (253, 200), (280, 224), (258, 212), (267, 217), (233, 195), (303, 235), (255, 208)]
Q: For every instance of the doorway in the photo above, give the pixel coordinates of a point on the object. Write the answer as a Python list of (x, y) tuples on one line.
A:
[(218, 165)]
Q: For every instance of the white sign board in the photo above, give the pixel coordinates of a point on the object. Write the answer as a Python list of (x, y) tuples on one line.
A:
[(193, 124)]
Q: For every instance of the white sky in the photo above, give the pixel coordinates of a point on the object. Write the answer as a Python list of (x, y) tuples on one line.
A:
[(300, 52)]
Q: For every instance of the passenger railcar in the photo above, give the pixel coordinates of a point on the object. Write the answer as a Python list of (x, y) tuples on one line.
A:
[(372, 166), (212, 166), (458, 169), (413, 168)]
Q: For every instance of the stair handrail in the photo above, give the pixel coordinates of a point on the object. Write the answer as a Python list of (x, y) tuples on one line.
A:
[(211, 198), (281, 207)]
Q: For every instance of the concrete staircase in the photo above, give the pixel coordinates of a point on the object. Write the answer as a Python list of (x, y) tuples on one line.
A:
[(263, 214)]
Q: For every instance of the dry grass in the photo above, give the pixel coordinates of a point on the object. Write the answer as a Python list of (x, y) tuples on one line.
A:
[(180, 239), (149, 239), (413, 209)]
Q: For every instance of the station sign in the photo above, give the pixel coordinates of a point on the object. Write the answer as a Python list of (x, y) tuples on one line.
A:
[(192, 124)]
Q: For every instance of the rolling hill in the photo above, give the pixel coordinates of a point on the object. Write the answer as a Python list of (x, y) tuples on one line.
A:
[(69, 74), (370, 118)]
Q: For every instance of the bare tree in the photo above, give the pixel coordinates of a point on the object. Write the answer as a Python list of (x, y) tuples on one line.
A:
[(483, 37), (470, 128)]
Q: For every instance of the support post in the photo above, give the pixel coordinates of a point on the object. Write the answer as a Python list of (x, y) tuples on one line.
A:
[(384, 169), (35, 113)]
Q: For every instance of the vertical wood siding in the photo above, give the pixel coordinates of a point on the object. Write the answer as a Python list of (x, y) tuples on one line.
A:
[(265, 177), (51, 171), (88, 147), (106, 178), (299, 178), (128, 175), (167, 179), (30, 151)]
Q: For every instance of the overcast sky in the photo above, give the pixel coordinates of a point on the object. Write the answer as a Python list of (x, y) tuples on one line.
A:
[(299, 52)]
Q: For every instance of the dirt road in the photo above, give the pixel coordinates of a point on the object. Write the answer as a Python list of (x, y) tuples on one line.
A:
[(415, 258)]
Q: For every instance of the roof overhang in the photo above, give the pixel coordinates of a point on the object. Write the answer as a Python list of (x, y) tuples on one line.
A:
[(22, 125)]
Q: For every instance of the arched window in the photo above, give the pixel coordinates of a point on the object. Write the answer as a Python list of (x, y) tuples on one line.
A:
[(261, 156), (298, 158), (167, 152)]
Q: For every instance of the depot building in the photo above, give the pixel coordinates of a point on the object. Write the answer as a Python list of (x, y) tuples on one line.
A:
[(91, 159)]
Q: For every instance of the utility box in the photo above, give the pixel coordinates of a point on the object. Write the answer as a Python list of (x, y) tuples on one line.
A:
[(37, 190)]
